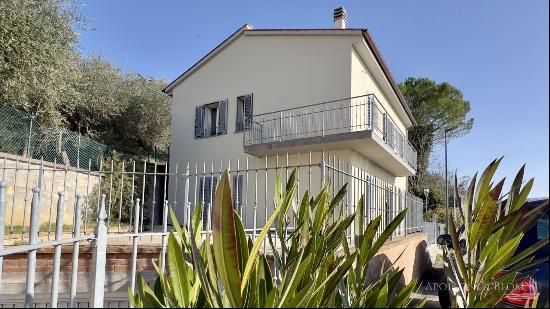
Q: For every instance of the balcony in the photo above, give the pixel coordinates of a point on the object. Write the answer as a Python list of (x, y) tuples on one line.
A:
[(358, 123)]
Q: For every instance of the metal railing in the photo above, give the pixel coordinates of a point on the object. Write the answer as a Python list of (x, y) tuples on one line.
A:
[(130, 202), (359, 113)]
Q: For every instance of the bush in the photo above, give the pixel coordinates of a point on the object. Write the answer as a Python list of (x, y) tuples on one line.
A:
[(489, 262), (315, 265)]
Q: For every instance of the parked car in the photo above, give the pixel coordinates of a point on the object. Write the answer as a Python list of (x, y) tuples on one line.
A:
[(537, 284)]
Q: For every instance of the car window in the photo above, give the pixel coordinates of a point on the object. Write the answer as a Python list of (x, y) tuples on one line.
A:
[(542, 227)]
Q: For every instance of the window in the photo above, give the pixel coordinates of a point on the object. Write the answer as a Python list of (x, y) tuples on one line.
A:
[(211, 119), (207, 196), (244, 113)]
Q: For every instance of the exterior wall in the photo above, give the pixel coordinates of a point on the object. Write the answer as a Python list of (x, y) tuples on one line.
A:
[(281, 72), (408, 253), (363, 82)]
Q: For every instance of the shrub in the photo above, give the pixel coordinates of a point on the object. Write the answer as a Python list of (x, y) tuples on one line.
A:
[(489, 263), (315, 264)]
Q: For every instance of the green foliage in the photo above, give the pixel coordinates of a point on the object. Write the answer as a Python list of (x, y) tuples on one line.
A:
[(121, 109), (494, 228), (435, 107), (43, 73), (37, 56), (315, 266), (119, 201)]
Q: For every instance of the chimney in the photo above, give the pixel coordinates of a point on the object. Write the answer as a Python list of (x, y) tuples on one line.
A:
[(340, 18)]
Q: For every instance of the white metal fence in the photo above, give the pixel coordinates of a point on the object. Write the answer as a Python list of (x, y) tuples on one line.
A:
[(130, 201)]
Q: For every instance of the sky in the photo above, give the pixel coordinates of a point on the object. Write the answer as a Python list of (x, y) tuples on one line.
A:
[(495, 52)]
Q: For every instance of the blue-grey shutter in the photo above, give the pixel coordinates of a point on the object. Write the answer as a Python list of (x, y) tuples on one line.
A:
[(199, 121), (207, 188), (248, 109), (222, 117), (240, 114)]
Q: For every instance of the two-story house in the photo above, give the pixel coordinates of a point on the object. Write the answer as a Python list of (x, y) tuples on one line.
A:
[(267, 92)]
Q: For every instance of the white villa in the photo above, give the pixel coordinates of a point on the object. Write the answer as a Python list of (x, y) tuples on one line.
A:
[(278, 96)]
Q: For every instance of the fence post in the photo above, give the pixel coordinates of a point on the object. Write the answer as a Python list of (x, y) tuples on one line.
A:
[(76, 251), (322, 167), (57, 253), (2, 222), (99, 256), (135, 247), (33, 240), (187, 203)]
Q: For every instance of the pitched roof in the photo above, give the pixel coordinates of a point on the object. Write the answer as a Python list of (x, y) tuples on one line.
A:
[(248, 28)]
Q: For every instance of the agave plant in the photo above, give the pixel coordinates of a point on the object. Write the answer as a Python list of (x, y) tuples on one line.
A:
[(484, 264), (315, 264)]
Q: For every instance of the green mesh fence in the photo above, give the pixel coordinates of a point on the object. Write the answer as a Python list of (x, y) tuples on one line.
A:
[(20, 135)]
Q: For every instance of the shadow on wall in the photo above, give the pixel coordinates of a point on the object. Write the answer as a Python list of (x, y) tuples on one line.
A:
[(422, 262), (412, 256), (379, 264)]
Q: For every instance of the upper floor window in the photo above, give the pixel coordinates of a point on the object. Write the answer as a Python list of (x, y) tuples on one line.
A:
[(244, 113), (211, 119)]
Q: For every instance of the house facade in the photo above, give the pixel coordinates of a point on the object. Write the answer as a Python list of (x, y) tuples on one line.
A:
[(292, 94)]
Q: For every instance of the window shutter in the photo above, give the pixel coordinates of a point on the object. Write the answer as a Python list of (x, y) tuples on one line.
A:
[(222, 117), (199, 121), (248, 112), (240, 114), (207, 188)]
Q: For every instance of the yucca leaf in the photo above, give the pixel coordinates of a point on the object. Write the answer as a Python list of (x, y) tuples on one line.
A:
[(485, 184), (148, 296), (494, 193), (242, 242), (522, 197), (386, 234), (368, 238), (359, 224), (252, 259), (196, 223), (501, 256), (382, 297), (458, 253), (515, 189), (338, 197), (302, 297), (457, 199), (225, 250), (527, 252), (212, 298), (531, 217), (402, 299), (178, 272), (332, 280), (300, 268), (483, 220)]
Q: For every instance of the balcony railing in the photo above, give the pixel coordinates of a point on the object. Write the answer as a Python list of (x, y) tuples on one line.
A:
[(362, 113)]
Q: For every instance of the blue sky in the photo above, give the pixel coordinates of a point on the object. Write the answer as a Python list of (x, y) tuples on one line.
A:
[(496, 52)]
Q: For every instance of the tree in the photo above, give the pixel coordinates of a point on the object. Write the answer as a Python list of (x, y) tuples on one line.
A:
[(43, 73), (435, 107), (37, 56)]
